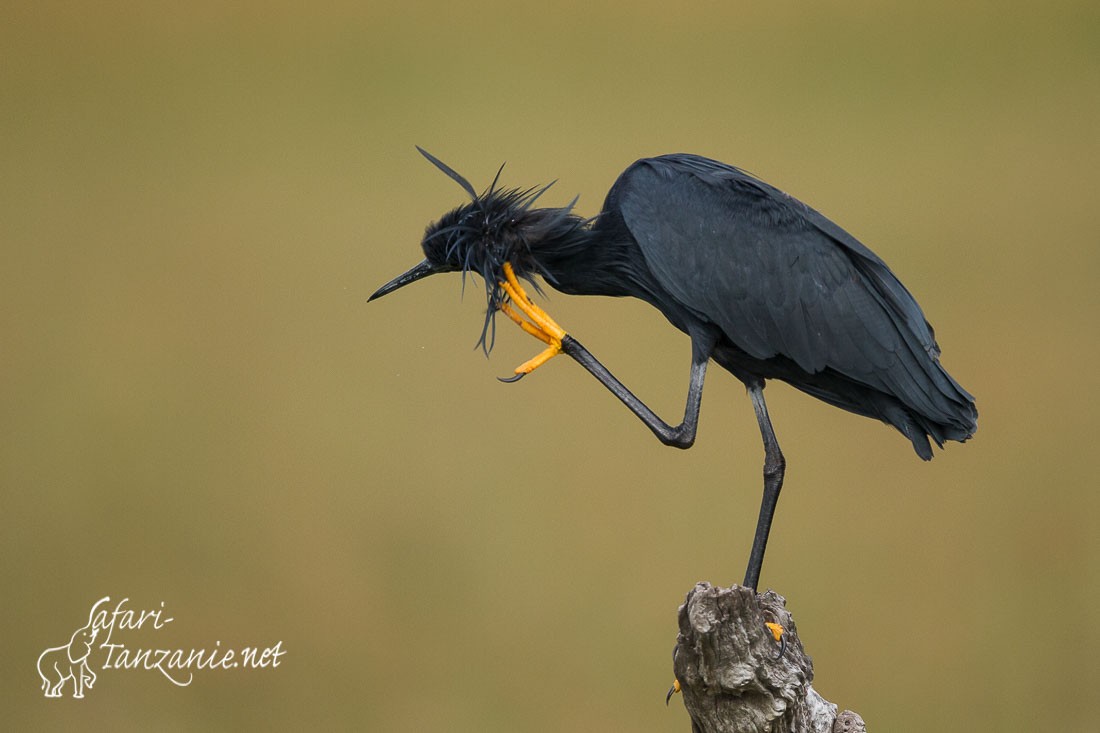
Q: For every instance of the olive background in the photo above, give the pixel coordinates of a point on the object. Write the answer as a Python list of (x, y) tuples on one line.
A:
[(200, 409)]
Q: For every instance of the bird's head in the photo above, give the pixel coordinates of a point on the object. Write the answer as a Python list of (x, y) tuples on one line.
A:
[(497, 226)]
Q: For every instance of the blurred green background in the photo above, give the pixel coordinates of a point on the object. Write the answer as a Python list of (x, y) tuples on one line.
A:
[(199, 407)]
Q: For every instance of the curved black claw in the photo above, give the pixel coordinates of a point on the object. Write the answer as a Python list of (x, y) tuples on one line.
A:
[(512, 380), (672, 691), (782, 646)]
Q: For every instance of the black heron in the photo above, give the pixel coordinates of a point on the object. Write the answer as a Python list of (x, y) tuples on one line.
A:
[(762, 284)]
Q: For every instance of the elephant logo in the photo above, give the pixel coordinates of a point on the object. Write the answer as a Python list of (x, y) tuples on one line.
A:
[(59, 664)]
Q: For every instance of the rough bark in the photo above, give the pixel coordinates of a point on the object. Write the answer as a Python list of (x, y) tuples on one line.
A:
[(732, 676)]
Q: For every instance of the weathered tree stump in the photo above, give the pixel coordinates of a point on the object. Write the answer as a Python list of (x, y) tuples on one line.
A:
[(732, 676)]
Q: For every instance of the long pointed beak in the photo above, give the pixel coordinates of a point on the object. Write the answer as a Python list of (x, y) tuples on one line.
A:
[(422, 270)]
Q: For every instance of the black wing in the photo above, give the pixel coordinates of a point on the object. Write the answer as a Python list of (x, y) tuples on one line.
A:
[(780, 279)]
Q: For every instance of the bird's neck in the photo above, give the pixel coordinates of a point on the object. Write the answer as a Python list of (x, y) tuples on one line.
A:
[(590, 259), (573, 262)]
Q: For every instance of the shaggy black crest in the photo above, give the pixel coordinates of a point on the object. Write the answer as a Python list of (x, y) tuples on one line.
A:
[(497, 226)]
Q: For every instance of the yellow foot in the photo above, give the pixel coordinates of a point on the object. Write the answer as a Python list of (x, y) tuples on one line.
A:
[(778, 632), (537, 323), (672, 690)]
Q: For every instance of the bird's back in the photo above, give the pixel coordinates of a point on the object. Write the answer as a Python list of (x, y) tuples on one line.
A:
[(796, 297)]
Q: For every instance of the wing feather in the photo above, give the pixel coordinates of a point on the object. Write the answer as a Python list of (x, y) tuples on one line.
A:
[(780, 279)]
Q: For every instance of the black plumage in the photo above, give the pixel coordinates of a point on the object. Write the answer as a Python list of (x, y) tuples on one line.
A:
[(763, 284), (796, 297)]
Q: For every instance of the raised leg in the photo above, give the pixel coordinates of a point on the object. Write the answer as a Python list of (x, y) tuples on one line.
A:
[(680, 436), (534, 321), (774, 468)]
